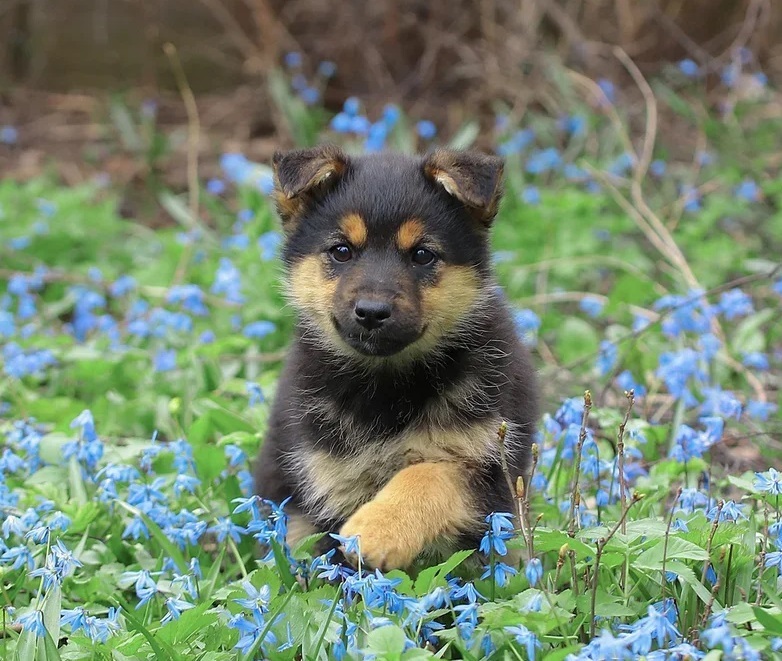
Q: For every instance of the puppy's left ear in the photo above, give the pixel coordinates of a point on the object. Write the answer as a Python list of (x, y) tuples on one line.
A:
[(301, 176), (473, 178)]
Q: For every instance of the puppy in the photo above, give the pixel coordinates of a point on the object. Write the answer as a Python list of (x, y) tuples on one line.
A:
[(405, 360)]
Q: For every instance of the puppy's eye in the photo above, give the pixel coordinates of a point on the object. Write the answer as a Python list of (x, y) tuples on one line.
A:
[(341, 253), (422, 256)]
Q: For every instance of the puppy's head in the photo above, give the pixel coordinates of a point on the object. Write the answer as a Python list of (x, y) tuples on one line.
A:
[(386, 255)]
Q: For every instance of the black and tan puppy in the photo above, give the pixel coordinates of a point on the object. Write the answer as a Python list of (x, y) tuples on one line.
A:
[(405, 360)]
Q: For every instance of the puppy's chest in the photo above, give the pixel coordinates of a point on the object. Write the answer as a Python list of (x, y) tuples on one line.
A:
[(336, 485)]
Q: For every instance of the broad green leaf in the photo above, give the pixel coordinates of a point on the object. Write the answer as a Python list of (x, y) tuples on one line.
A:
[(771, 622), (429, 578)]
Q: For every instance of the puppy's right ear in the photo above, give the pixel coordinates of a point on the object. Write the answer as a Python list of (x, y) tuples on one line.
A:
[(301, 176)]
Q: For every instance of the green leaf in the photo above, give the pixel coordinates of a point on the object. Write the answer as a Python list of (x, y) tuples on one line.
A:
[(48, 651), (163, 651), (428, 579), (283, 565), (387, 642), (52, 605), (576, 339), (207, 586), (749, 335), (771, 623), (76, 482), (553, 540), (676, 549)]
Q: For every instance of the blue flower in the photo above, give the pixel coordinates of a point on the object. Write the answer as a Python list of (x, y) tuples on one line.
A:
[(591, 305), (657, 168), (391, 114), (719, 402), (735, 303), (572, 125), (327, 69), (730, 512), (534, 571), (607, 357), (256, 598), (502, 573), (622, 164), (269, 243), (525, 637), (351, 106), (175, 608), (755, 360), (259, 329), (531, 195), (543, 161), (122, 285), (33, 621), (748, 190), (691, 197), (527, 324), (250, 631), (689, 68), (351, 544), (310, 95), (164, 360), (608, 88), (255, 393), (228, 281), (426, 129), (293, 60), (760, 410), (774, 559), (8, 135), (191, 297), (627, 382), (770, 482), (341, 122), (215, 187), (517, 142), (236, 456), (677, 369)]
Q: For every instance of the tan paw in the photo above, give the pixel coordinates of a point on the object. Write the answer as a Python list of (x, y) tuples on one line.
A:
[(385, 542)]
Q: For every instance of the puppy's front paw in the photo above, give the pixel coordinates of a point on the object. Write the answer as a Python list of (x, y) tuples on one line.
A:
[(384, 539)]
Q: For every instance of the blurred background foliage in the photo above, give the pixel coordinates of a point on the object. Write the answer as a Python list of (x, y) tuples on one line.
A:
[(446, 61)]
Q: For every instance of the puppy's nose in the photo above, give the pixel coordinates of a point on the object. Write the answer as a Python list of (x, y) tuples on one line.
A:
[(372, 314)]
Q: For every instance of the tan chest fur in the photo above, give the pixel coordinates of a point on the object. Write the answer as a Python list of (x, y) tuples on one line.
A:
[(336, 486)]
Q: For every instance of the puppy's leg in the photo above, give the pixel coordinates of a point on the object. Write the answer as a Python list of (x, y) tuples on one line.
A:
[(420, 504)]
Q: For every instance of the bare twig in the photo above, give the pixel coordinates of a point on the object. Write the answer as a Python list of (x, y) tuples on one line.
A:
[(577, 463), (193, 137)]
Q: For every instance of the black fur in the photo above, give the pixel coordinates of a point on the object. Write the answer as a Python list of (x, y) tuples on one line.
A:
[(383, 400)]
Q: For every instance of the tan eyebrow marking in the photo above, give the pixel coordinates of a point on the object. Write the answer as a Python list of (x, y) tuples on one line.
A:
[(354, 228), (409, 234)]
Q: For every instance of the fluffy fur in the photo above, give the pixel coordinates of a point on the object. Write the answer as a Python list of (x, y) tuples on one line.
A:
[(402, 369)]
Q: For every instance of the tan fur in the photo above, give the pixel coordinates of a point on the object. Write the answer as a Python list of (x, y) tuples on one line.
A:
[(287, 207), (446, 303), (338, 486), (355, 229), (310, 290), (456, 176), (421, 504), (341, 487), (471, 445), (409, 234)]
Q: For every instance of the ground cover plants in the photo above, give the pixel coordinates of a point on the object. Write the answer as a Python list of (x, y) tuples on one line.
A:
[(136, 366)]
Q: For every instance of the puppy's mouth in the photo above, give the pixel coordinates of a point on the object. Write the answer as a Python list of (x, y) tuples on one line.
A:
[(380, 342)]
